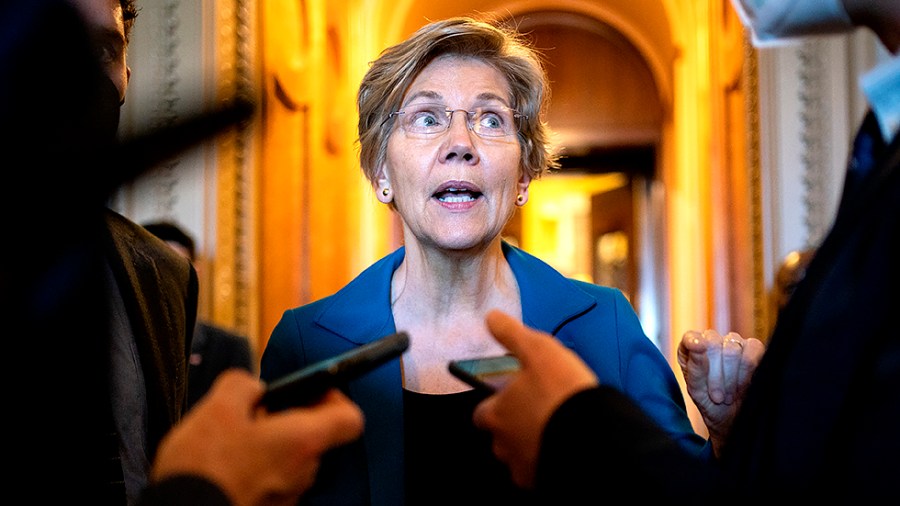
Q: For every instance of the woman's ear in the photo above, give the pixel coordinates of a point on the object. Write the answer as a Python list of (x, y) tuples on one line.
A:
[(522, 189), (382, 185)]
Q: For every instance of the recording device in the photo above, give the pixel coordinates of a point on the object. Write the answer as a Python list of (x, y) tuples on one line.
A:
[(309, 384), (487, 374)]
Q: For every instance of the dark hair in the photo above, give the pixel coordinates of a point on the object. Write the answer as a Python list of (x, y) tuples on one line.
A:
[(168, 231), (129, 13)]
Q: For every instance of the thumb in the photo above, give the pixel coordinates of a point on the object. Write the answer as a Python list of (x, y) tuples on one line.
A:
[(508, 331)]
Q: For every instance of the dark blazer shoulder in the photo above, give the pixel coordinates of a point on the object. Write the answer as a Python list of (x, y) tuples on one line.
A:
[(159, 289)]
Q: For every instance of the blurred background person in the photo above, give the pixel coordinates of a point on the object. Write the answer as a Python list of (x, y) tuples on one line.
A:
[(214, 349)]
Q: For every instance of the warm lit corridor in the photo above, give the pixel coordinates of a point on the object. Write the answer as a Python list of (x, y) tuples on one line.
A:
[(670, 188)]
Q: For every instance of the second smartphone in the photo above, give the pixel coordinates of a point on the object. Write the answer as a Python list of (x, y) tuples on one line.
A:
[(487, 374)]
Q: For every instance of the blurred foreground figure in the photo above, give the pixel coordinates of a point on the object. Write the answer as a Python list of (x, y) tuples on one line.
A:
[(52, 291), (58, 132)]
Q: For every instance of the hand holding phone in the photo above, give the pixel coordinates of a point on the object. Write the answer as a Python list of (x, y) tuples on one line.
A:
[(487, 374), (307, 385)]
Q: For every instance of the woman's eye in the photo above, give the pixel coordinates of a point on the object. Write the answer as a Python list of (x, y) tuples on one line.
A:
[(426, 119), (491, 120)]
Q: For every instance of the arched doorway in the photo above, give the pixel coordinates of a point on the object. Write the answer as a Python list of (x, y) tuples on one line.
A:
[(592, 219)]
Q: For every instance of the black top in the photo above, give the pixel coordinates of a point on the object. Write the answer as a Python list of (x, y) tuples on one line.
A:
[(448, 460)]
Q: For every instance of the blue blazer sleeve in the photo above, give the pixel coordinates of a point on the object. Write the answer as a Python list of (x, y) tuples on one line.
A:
[(284, 352), (610, 339), (600, 325)]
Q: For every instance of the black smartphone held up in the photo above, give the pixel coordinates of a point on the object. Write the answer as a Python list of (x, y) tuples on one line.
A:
[(487, 374), (310, 383)]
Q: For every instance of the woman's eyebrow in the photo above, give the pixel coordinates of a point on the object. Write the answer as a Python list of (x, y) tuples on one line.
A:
[(491, 97), (424, 94)]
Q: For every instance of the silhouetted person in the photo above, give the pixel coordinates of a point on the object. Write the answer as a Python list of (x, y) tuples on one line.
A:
[(59, 113), (818, 421)]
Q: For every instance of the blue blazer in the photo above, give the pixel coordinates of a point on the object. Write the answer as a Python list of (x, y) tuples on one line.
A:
[(596, 322)]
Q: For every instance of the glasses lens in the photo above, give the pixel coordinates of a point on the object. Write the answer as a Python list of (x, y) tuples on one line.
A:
[(425, 119), (497, 121)]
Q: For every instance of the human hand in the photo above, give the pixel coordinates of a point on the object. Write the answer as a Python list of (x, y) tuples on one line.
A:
[(517, 414), (717, 371), (255, 456)]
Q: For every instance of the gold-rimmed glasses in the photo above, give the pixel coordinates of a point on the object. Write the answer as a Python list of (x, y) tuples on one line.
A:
[(428, 119)]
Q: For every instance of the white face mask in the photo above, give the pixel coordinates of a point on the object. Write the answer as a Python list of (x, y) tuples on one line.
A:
[(775, 22)]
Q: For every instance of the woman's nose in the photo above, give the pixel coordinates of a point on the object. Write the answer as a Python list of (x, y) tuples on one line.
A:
[(459, 139)]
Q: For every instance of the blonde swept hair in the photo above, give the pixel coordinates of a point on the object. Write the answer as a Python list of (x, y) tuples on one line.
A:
[(390, 75)]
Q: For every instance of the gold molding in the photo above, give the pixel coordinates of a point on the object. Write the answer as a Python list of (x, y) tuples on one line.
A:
[(232, 274), (761, 299), (815, 117)]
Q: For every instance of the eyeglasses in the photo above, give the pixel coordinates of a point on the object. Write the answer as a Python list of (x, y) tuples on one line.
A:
[(433, 119)]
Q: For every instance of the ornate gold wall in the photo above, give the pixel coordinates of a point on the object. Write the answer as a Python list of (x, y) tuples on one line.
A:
[(284, 217)]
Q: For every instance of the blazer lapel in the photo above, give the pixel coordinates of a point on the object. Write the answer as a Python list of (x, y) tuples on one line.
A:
[(361, 311), (549, 300)]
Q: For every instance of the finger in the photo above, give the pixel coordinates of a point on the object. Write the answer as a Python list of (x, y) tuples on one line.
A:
[(332, 421), (537, 350), (233, 385), (690, 341), (482, 415), (512, 334), (692, 355), (732, 351), (694, 362), (715, 378), (238, 381), (752, 355), (339, 419), (694, 341)]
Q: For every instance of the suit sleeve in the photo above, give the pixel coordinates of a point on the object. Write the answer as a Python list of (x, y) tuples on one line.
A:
[(183, 491), (599, 440)]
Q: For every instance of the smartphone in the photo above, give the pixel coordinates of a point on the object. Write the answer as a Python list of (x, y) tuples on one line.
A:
[(309, 384), (487, 374)]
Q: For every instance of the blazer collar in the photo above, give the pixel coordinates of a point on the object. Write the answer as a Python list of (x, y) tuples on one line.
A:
[(361, 311), (549, 299)]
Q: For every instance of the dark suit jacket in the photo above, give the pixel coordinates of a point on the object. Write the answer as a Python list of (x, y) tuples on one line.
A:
[(214, 350), (53, 297), (160, 289), (821, 417)]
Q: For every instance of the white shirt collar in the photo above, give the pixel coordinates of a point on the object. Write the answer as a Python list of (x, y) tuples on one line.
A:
[(881, 86)]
